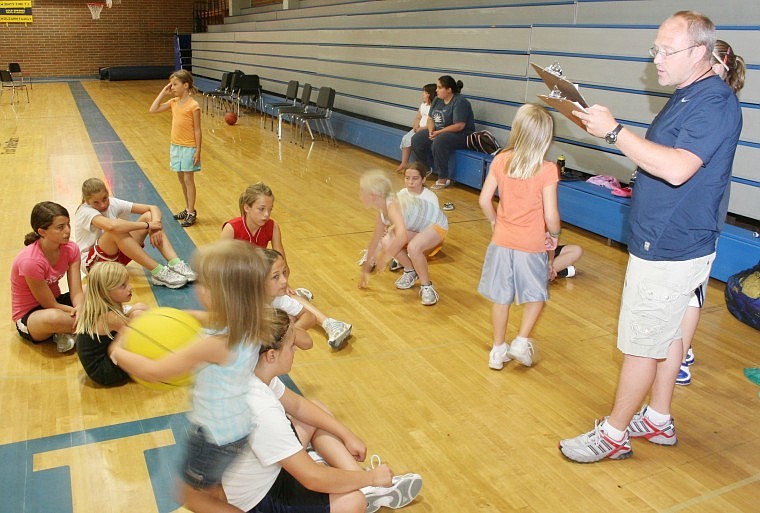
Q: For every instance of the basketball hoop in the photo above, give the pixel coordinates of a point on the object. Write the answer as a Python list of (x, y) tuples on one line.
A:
[(95, 10)]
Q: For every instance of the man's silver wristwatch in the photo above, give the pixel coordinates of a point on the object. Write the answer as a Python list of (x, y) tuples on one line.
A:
[(611, 137)]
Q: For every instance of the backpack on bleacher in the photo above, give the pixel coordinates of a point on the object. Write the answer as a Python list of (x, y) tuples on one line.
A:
[(483, 141)]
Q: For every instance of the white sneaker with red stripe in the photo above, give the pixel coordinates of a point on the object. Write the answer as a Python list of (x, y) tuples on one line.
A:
[(642, 427), (594, 446)]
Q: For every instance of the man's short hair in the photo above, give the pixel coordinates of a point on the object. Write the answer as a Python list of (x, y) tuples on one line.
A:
[(700, 28)]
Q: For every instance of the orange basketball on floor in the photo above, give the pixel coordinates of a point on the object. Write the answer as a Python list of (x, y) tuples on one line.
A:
[(230, 118)]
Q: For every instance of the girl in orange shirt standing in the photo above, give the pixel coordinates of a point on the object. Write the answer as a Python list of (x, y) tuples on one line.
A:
[(185, 154), (516, 266)]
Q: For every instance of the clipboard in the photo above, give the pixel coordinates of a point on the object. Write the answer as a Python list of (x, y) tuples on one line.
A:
[(564, 106), (564, 95)]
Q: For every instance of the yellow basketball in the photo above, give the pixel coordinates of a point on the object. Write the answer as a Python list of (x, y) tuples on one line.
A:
[(158, 332)]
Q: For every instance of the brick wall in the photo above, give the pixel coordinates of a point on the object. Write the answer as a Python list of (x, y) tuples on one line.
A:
[(64, 40)]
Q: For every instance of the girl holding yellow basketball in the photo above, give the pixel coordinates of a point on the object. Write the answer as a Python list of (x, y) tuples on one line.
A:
[(230, 286), (104, 312)]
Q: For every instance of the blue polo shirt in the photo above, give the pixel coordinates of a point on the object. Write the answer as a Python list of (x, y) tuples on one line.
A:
[(683, 222)]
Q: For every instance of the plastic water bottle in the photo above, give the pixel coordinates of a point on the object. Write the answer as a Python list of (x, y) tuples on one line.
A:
[(561, 165)]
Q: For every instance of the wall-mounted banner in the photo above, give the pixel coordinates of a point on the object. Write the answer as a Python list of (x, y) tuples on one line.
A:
[(15, 11)]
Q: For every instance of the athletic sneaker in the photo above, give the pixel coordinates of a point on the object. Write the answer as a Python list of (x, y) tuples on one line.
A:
[(497, 359), (595, 446), (689, 360), (180, 215), (394, 265), (406, 281), (642, 427), (337, 332), (684, 375), (428, 295), (304, 293), (64, 342), (189, 219), (168, 278), (316, 456), (522, 351), (570, 271), (403, 490), (362, 258), (183, 269)]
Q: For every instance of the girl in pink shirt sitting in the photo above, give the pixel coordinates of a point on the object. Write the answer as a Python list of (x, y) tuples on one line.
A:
[(40, 310)]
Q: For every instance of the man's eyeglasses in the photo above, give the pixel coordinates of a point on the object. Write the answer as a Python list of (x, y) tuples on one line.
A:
[(654, 51)]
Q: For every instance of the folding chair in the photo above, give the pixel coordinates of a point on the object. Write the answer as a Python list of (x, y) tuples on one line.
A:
[(7, 82), (322, 113), (291, 94), (229, 102), (16, 73), (249, 92), (302, 108), (223, 89)]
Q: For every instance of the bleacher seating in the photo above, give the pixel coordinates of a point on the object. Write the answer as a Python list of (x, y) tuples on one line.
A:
[(378, 54)]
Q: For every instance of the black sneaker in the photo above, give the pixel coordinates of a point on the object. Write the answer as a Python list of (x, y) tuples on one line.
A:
[(189, 220), (180, 215)]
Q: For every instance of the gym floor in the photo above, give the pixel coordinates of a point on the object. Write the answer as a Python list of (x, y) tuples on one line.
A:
[(413, 381)]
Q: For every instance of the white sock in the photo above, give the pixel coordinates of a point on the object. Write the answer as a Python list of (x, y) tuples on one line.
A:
[(657, 418), (612, 432), (499, 347), (521, 339)]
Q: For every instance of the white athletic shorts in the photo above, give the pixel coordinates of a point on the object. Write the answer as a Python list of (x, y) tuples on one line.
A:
[(655, 297)]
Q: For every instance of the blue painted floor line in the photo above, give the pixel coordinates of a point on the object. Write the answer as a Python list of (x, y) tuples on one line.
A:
[(127, 181)]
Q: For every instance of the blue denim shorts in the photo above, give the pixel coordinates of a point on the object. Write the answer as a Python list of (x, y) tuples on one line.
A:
[(181, 159), (205, 461)]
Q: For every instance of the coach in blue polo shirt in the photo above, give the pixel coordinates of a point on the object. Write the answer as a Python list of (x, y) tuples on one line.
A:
[(678, 208)]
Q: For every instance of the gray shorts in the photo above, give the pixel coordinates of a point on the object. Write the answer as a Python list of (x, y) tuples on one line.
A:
[(655, 297), (512, 276)]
